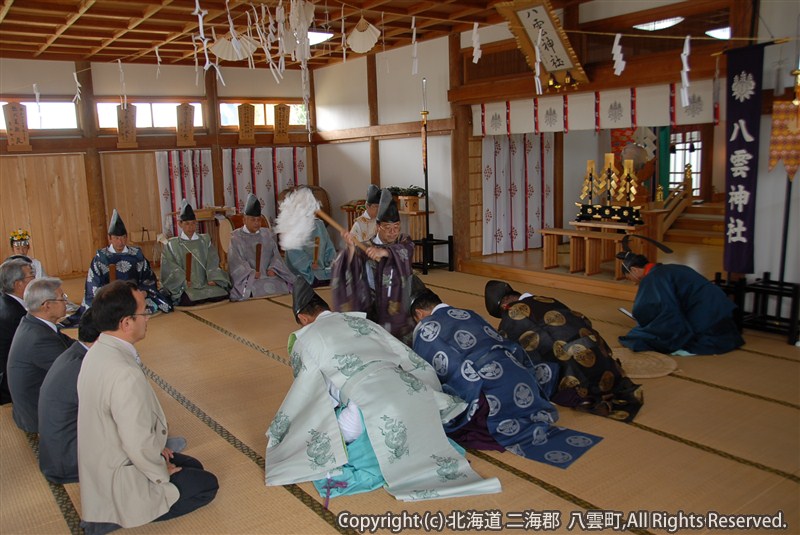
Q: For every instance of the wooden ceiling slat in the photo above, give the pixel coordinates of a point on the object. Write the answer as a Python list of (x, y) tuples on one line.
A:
[(149, 12), (84, 6), (4, 10)]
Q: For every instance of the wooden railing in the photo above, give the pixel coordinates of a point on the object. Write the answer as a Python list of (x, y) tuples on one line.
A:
[(679, 198)]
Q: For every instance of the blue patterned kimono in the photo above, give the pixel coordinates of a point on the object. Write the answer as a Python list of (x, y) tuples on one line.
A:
[(130, 265), (471, 359)]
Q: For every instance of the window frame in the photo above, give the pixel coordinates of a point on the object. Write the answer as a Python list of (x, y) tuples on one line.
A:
[(151, 100), (258, 101), (45, 132)]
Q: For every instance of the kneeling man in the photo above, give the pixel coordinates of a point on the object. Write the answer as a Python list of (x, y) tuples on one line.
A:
[(355, 384), (190, 269)]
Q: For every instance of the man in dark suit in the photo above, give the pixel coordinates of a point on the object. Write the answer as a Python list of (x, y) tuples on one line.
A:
[(58, 408), (37, 343), (15, 274)]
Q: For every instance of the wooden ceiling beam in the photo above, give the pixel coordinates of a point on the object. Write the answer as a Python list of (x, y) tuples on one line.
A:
[(82, 8), (133, 23), (5, 8)]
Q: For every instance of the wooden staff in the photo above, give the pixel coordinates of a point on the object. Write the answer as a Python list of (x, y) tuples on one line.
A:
[(258, 258), (188, 269), (112, 272), (316, 250), (322, 215)]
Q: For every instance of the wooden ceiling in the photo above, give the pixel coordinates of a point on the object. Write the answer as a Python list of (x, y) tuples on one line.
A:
[(130, 31), (108, 30)]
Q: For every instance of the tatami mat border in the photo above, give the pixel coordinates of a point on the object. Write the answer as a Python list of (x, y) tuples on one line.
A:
[(64, 502), (715, 451), (240, 339), (658, 432), (735, 390), (552, 489), (240, 446)]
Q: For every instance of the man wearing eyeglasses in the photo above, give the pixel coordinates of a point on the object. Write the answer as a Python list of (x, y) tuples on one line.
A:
[(378, 281), (36, 345), (15, 274), (128, 477)]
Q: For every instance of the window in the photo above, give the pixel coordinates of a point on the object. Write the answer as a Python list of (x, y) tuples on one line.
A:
[(264, 114), (148, 114), (685, 148), (47, 115)]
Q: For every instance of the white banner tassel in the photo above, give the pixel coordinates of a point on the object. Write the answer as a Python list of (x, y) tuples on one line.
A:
[(77, 88), (476, 44), (616, 54)]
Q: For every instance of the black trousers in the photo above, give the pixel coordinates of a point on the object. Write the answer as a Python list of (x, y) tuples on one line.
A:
[(197, 487)]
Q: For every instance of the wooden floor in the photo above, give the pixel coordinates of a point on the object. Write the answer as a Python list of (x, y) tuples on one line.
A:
[(721, 433)]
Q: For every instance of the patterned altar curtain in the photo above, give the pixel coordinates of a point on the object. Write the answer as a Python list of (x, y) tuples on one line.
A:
[(517, 191), (183, 174), (263, 171)]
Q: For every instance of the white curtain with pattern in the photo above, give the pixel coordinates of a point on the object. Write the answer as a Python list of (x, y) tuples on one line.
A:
[(183, 174), (517, 191), (263, 171)]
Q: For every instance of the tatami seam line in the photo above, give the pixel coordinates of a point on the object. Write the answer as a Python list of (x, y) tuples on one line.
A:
[(241, 447), (707, 449), (735, 390), (64, 502)]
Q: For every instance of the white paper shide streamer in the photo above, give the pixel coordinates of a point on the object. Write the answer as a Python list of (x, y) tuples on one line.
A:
[(685, 73), (616, 54), (536, 69), (77, 96), (123, 91), (295, 222), (158, 59), (414, 62), (476, 44)]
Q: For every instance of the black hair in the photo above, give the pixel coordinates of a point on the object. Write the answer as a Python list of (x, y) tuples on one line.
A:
[(112, 303), (314, 307), (87, 330), (426, 300)]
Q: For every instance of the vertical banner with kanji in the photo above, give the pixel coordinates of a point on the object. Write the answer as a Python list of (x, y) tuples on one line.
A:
[(743, 122)]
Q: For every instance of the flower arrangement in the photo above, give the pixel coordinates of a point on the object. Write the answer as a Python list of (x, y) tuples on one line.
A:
[(19, 235)]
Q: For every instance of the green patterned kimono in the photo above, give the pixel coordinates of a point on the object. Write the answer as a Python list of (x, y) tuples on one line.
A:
[(400, 399), (205, 268)]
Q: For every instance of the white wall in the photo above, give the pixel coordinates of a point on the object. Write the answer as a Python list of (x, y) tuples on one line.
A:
[(579, 147), (401, 165), (259, 83), (17, 76), (400, 91), (344, 172), (340, 94), (140, 80)]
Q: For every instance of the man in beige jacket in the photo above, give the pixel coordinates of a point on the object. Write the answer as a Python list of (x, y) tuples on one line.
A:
[(127, 475)]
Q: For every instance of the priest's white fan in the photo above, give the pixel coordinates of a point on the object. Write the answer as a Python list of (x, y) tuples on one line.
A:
[(363, 37), (242, 48)]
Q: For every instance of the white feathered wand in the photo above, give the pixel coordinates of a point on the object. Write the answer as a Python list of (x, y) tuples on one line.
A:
[(295, 221)]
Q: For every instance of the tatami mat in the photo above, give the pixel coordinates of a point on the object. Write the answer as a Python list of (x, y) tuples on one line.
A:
[(720, 433)]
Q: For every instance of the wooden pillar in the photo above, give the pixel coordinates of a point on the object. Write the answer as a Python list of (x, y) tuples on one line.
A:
[(212, 122), (459, 158), (558, 179), (372, 99), (87, 113)]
